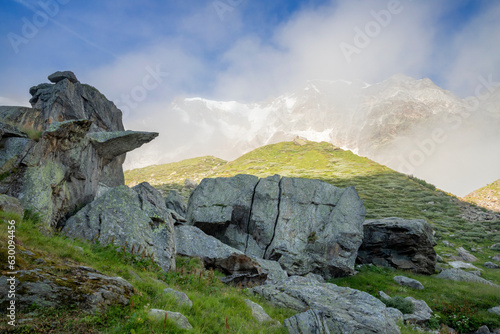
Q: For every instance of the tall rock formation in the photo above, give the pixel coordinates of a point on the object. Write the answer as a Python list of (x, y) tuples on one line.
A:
[(56, 156)]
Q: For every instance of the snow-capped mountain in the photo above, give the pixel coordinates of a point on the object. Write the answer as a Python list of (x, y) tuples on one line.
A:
[(410, 125)]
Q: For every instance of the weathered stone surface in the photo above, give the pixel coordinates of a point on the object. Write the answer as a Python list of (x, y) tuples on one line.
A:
[(11, 204), (421, 314), (80, 286), (461, 265), (309, 322), (495, 310), (306, 225), (483, 330), (496, 258), (181, 298), (61, 75), (345, 310), (193, 242), (82, 145), (464, 255), (395, 314), (399, 243), (175, 203), (409, 282), (134, 218), (113, 144), (258, 312), (462, 276), (179, 319), (491, 265)]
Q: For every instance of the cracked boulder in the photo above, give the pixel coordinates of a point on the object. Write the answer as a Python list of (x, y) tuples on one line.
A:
[(399, 243), (306, 225), (55, 156), (134, 218)]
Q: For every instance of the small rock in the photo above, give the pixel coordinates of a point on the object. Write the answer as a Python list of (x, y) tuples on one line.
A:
[(495, 310), (190, 184), (496, 258), (409, 282), (421, 314), (181, 297), (465, 255), (384, 295), (439, 259), (447, 243), (483, 330), (491, 265), (495, 247), (39, 261), (179, 319), (61, 75), (258, 312), (79, 249)]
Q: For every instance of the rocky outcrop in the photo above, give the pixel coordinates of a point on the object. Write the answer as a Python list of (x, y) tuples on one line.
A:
[(240, 268), (175, 203), (134, 218), (258, 312), (306, 225), (340, 309), (11, 204), (78, 286), (399, 243), (56, 155)]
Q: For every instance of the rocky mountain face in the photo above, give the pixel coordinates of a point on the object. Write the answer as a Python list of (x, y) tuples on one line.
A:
[(412, 126), (56, 156), (487, 197)]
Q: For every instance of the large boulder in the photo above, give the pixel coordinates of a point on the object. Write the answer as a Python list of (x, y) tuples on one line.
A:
[(306, 225), (340, 309), (134, 218), (240, 268), (55, 156), (399, 243)]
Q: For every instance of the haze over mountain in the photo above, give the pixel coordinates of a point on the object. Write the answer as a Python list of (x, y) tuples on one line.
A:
[(410, 125)]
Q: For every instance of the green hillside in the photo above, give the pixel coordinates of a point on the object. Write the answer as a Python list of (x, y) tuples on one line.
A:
[(488, 196)]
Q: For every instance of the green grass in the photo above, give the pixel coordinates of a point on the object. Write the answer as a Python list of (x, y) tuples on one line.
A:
[(213, 301)]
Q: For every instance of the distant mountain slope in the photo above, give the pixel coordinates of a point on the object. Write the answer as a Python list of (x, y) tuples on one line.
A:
[(410, 125), (386, 193), (488, 196)]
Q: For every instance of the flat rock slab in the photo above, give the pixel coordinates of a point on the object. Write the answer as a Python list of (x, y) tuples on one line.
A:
[(345, 310)]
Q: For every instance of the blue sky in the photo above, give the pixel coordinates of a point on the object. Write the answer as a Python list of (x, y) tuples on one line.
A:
[(243, 49)]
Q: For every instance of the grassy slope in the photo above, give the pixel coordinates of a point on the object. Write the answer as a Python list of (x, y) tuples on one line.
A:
[(487, 196), (385, 193), (213, 302)]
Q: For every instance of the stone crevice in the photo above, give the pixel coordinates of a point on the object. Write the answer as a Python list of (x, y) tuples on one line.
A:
[(250, 214), (277, 219)]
